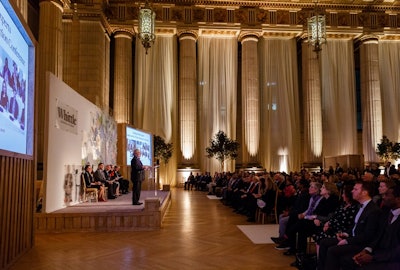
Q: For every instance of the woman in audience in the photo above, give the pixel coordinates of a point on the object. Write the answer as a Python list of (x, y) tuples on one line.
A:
[(90, 183), (251, 205), (384, 184), (268, 197), (342, 219)]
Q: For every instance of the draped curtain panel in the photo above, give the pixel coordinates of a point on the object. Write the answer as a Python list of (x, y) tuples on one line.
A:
[(389, 65), (217, 58), (155, 97), (280, 112), (338, 98)]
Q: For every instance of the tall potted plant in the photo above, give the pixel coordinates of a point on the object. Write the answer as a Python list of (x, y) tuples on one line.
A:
[(222, 148), (162, 152), (388, 150)]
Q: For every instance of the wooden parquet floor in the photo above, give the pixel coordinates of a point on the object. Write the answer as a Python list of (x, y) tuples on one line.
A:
[(197, 233)]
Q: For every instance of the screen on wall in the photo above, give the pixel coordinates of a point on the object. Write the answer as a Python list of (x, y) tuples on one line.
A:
[(137, 139), (17, 84)]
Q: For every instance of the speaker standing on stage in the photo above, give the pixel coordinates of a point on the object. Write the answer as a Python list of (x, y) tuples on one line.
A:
[(137, 176)]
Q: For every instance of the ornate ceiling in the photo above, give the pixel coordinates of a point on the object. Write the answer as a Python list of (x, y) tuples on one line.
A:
[(344, 18)]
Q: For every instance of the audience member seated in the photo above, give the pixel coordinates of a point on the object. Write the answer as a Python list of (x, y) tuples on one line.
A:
[(268, 195), (241, 189), (290, 215), (91, 183), (227, 192), (257, 193), (190, 181), (384, 184), (342, 219), (324, 200), (362, 233), (384, 251)]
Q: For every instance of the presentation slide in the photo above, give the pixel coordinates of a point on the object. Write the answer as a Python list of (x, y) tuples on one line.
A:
[(137, 139), (16, 102)]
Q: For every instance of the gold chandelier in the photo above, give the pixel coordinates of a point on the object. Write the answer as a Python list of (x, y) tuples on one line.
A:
[(316, 26), (147, 18)]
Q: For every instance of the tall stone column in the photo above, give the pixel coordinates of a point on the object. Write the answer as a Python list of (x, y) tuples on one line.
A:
[(312, 106), (23, 8), (250, 98), (50, 58), (188, 95), (371, 100), (123, 78)]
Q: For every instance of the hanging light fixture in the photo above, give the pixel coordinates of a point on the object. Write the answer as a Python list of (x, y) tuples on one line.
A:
[(316, 30), (147, 18)]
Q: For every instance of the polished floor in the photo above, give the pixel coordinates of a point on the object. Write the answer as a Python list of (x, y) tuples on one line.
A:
[(197, 233)]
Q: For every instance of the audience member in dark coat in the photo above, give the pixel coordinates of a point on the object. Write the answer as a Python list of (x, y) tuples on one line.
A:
[(384, 251), (351, 242)]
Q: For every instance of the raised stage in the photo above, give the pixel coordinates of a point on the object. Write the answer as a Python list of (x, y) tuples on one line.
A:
[(113, 215)]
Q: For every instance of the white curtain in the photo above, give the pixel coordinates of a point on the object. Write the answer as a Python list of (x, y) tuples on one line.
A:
[(155, 97), (217, 58), (338, 98), (389, 64), (280, 113)]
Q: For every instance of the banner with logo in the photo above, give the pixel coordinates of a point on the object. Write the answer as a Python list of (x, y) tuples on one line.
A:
[(67, 117)]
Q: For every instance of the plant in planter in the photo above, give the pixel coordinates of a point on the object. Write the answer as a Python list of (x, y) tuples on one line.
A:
[(222, 148), (162, 150), (388, 150)]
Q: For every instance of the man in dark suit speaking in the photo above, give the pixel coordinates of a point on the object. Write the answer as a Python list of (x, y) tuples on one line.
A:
[(137, 176)]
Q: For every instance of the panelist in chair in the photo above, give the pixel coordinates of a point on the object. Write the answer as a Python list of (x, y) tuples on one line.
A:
[(91, 183), (137, 176)]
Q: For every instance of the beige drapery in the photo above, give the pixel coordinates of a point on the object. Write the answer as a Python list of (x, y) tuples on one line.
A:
[(389, 65), (338, 98), (280, 121), (155, 99), (217, 58)]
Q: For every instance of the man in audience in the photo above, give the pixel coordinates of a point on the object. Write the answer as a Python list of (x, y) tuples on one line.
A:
[(365, 228), (384, 251)]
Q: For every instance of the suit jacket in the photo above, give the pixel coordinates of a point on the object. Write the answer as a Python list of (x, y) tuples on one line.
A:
[(87, 178), (99, 176), (367, 226), (386, 247), (137, 169)]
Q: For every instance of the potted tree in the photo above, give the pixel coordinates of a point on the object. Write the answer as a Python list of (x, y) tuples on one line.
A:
[(222, 148), (388, 150), (162, 152)]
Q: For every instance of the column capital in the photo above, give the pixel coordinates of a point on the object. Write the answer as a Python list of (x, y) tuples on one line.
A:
[(123, 33), (369, 38), (188, 34), (58, 3), (249, 35)]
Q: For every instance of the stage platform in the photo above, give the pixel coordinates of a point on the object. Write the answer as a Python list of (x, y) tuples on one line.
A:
[(113, 215)]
